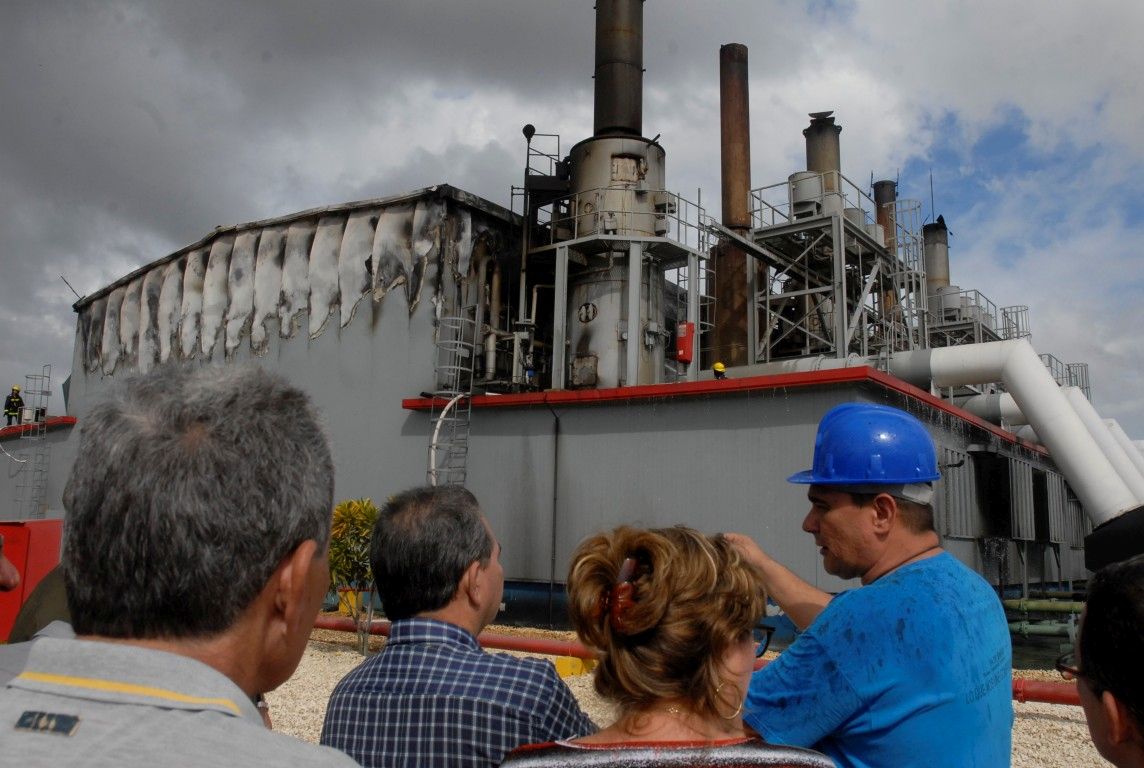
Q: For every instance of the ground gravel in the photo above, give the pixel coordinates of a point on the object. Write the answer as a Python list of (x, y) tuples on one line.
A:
[(1047, 735)]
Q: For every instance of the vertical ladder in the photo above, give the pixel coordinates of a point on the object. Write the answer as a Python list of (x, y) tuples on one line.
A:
[(34, 453), (450, 409)]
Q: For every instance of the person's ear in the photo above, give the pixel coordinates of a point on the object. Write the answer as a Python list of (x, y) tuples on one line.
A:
[(470, 585), (885, 512), (291, 580), (1121, 728)]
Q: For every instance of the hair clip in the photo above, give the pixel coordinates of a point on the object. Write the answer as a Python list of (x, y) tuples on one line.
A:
[(620, 598)]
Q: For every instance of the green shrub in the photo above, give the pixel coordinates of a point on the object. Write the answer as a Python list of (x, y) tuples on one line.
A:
[(350, 572)]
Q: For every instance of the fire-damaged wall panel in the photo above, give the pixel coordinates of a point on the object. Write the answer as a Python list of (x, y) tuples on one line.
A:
[(304, 268), (956, 507), (1021, 504)]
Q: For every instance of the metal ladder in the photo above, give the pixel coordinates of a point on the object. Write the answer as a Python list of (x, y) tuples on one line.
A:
[(450, 408), (34, 454)]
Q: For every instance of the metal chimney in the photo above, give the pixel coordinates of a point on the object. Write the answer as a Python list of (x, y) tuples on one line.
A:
[(822, 148), (619, 67), (885, 200), (732, 289), (935, 236)]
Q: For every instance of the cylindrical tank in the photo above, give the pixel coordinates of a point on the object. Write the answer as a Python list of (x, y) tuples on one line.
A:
[(946, 301), (935, 236), (805, 194), (614, 179), (822, 148), (597, 306), (619, 67)]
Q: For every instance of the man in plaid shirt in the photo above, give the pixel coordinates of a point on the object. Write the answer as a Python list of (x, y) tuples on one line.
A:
[(432, 697)]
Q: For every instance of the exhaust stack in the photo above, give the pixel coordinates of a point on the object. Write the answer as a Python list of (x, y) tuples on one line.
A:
[(885, 199), (822, 149), (732, 289), (935, 236), (619, 68)]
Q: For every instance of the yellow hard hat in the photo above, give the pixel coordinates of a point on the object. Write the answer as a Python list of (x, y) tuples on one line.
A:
[(718, 367), (15, 387)]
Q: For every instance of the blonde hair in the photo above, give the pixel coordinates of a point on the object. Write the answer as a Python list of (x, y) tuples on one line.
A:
[(690, 598)]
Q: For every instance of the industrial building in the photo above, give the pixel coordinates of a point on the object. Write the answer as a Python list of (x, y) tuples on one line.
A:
[(556, 358)]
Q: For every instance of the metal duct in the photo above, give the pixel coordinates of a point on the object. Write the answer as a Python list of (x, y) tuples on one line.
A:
[(994, 408), (822, 148), (1103, 493), (619, 67), (936, 239), (732, 289)]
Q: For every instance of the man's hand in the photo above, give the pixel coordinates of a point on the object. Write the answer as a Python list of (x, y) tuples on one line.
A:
[(800, 601), (748, 549)]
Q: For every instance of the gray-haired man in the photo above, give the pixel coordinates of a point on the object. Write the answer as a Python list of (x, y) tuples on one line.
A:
[(194, 557)]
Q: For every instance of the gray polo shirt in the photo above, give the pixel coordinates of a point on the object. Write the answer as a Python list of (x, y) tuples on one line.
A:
[(80, 702)]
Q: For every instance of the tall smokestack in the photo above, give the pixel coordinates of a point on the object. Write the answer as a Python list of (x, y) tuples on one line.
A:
[(619, 67), (735, 135), (822, 148), (935, 238), (885, 214), (885, 198), (732, 292)]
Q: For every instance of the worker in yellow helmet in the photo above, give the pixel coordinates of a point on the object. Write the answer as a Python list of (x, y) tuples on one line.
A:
[(720, 371), (12, 406)]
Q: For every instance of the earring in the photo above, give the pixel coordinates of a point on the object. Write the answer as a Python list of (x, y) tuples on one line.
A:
[(739, 696)]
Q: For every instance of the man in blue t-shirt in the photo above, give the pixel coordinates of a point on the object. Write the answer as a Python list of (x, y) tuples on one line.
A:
[(913, 668)]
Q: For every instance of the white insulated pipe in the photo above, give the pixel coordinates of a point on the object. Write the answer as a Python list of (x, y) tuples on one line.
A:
[(1028, 433), (494, 323), (1099, 486), (995, 408), (1103, 437), (1126, 443)]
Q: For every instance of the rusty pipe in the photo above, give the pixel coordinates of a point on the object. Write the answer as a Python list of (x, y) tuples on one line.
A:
[(619, 67), (1023, 690)]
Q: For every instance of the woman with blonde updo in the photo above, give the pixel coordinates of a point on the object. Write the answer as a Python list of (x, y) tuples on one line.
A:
[(671, 613)]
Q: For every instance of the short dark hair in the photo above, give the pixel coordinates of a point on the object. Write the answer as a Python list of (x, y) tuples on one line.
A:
[(1112, 634), (423, 541), (917, 517), (189, 487)]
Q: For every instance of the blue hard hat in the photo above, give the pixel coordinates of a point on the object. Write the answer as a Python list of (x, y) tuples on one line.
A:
[(867, 444)]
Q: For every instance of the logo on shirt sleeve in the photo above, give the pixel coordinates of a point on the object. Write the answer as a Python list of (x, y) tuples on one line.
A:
[(47, 722)]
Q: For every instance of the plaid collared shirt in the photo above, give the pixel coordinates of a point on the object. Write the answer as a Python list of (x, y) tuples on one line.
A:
[(432, 697)]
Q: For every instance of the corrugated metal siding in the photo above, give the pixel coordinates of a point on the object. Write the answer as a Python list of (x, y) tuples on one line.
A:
[(1021, 500), (1079, 525), (956, 508), (1059, 529)]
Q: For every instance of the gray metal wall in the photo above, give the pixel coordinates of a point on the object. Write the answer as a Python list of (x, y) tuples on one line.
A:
[(547, 477)]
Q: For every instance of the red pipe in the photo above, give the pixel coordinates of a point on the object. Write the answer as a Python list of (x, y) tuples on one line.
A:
[(1046, 692), (1023, 690)]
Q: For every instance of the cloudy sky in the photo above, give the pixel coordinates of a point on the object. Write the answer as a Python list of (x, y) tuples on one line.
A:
[(131, 129)]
